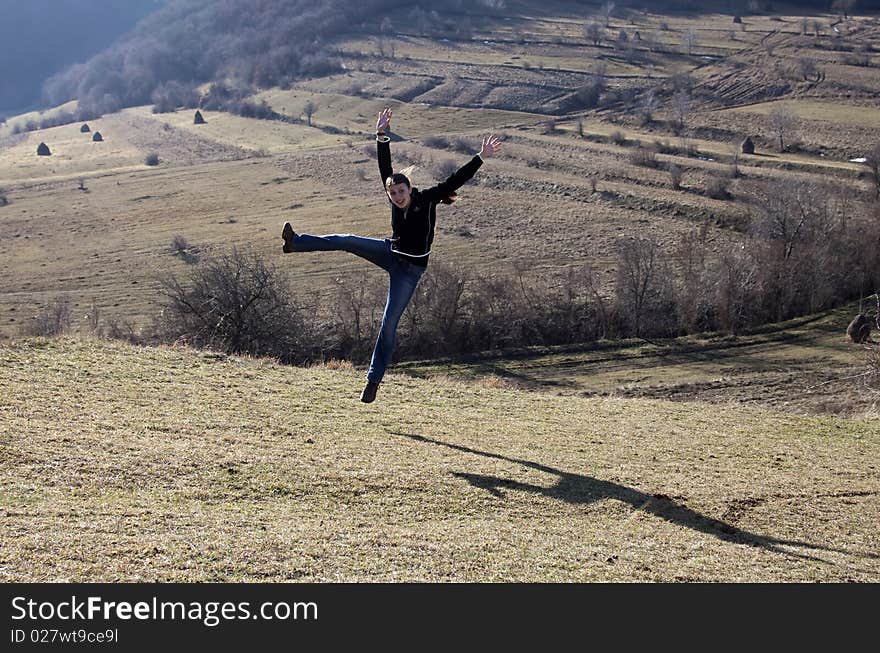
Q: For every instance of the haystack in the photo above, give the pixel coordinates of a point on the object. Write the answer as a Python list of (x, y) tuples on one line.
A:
[(43, 150), (97, 137), (199, 120), (85, 128), (748, 145)]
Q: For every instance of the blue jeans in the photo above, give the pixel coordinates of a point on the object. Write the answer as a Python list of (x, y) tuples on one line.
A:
[(404, 277)]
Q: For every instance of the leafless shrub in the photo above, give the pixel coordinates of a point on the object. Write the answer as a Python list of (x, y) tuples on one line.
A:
[(351, 328), (642, 156), (436, 142), (716, 188), (55, 319), (675, 175), (463, 145), (4, 199), (444, 169), (593, 33), (588, 95), (186, 251), (806, 67), (812, 254), (648, 105), (434, 323), (665, 147), (234, 302), (617, 137)]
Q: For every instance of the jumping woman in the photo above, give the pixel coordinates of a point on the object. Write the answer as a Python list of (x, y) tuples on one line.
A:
[(404, 256)]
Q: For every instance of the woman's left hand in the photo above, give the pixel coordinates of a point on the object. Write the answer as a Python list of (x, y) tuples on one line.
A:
[(491, 145)]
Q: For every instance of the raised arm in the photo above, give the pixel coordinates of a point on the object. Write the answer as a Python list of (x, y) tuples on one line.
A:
[(383, 148), (491, 145)]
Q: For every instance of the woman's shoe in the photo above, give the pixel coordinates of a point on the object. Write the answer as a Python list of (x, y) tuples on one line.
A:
[(368, 396), (288, 234)]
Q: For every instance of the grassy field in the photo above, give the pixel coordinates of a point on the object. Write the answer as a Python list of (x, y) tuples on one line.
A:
[(833, 112), (165, 464)]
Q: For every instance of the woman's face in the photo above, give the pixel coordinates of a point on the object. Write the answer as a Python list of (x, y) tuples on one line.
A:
[(399, 194)]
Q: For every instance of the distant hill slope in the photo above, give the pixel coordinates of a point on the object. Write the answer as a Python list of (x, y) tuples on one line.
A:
[(165, 464), (41, 37)]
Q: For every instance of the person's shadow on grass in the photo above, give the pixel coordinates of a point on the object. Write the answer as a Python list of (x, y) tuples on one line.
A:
[(575, 488)]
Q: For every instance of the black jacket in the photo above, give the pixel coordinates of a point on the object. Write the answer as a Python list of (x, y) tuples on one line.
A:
[(413, 228)]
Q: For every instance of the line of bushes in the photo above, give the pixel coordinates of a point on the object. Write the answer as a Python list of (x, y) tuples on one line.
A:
[(806, 250), (804, 253)]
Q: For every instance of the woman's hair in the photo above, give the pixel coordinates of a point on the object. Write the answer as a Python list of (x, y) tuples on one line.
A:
[(397, 178), (401, 178)]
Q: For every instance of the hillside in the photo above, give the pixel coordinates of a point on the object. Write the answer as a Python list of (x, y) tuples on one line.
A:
[(93, 223), (166, 464)]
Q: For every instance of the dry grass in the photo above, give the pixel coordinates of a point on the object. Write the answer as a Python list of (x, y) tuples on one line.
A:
[(119, 464), (825, 111), (806, 366)]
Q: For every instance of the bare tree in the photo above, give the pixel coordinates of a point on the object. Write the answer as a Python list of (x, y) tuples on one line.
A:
[(792, 213), (593, 32), (643, 287), (807, 68), (736, 284), (782, 121), (805, 25), (309, 110), (735, 149), (695, 291), (675, 175), (649, 104), (681, 107), (689, 40)]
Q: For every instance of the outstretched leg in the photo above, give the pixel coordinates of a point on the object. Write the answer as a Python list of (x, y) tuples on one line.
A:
[(374, 250)]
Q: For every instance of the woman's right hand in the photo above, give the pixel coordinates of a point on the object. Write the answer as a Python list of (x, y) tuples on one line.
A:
[(384, 120)]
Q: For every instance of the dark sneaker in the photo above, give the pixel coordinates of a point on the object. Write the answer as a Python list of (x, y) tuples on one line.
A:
[(288, 234), (368, 396)]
